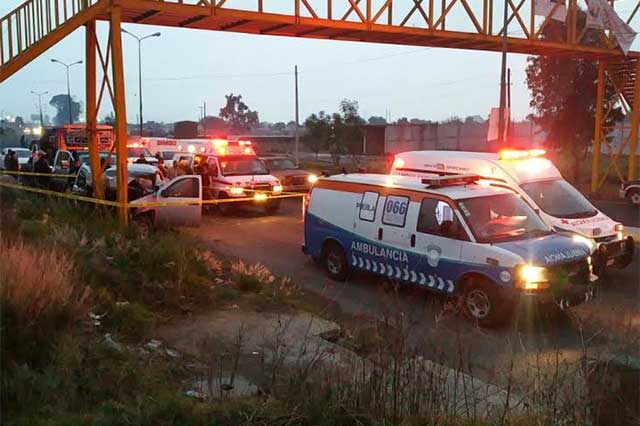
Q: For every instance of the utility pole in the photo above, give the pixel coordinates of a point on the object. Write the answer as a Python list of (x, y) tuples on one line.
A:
[(204, 118), (503, 83), (39, 95), (140, 39), (297, 119), (67, 66), (509, 126)]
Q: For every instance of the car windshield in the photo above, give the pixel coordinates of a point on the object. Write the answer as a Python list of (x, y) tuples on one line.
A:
[(560, 199), (503, 217), (135, 152), (280, 164), (242, 166)]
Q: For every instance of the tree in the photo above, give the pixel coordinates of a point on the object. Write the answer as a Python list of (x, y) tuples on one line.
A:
[(563, 96), (348, 127), (376, 120), (318, 130), (109, 119), (61, 104), (237, 114)]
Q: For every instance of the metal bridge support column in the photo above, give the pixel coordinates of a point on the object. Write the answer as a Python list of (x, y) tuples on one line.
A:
[(635, 122), (92, 108), (117, 72), (597, 134)]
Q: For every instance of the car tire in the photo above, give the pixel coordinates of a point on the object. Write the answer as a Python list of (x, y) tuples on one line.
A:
[(482, 302), (335, 261), (634, 197), (272, 207)]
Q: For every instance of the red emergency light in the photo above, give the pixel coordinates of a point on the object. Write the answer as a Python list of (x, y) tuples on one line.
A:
[(520, 154)]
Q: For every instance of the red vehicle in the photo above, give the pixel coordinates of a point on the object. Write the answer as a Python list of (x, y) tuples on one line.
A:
[(63, 144)]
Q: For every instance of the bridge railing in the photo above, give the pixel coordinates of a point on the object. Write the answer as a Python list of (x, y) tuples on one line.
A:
[(31, 21), (481, 17)]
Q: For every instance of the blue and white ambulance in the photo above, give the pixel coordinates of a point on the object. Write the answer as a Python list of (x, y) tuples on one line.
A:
[(455, 235)]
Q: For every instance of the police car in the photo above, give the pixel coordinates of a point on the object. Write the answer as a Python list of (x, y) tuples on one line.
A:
[(455, 235), (540, 183)]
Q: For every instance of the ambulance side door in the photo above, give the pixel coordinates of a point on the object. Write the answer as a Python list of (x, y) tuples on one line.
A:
[(439, 237), (367, 217), (393, 230)]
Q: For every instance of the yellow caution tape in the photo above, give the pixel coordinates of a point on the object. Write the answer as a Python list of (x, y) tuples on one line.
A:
[(53, 175), (60, 194), (140, 205)]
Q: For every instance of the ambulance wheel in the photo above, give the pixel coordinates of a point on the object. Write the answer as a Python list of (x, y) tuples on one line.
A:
[(634, 196), (482, 303), (335, 261)]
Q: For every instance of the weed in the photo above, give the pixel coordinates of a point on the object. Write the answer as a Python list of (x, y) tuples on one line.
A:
[(251, 278)]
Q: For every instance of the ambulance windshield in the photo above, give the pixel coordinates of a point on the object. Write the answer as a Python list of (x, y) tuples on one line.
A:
[(559, 199), (242, 166), (503, 217)]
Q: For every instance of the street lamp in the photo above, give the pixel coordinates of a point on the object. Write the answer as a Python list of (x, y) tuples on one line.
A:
[(140, 67), (67, 66), (39, 95)]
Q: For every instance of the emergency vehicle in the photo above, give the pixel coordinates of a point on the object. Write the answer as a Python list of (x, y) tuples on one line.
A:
[(236, 173), (64, 144), (540, 183), (456, 235)]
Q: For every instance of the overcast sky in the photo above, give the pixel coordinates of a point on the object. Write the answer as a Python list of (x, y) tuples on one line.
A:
[(185, 67)]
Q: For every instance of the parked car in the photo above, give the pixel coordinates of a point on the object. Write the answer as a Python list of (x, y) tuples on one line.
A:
[(291, 177), (630, 190), (23, 155)]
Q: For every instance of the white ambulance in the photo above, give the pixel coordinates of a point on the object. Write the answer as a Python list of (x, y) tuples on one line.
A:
[(540, 183), (236, 173), (454, 235)]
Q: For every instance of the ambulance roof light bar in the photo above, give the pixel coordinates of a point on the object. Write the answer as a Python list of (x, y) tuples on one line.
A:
[(452, 180), (520, 154)]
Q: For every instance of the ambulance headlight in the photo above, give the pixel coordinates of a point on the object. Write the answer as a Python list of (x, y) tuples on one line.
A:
[(312, 179), (529, 277), (277, 188), (584, 240)]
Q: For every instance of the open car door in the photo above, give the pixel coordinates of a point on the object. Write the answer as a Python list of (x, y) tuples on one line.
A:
[(186, 193)]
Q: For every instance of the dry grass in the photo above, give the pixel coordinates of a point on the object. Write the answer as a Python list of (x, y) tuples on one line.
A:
[(36, 282)]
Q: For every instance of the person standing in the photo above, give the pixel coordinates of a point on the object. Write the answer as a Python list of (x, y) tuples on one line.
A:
[(42, 166), (11, 163)]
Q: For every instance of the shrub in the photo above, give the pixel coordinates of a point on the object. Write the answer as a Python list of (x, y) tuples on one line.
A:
[(37, 283), (251, 278), (39, 298)]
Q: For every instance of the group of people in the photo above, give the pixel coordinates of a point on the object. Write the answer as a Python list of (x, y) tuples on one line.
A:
[(37, 163)]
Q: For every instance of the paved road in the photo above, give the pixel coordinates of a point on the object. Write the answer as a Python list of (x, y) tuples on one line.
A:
[(435, 329), (622, 211)]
